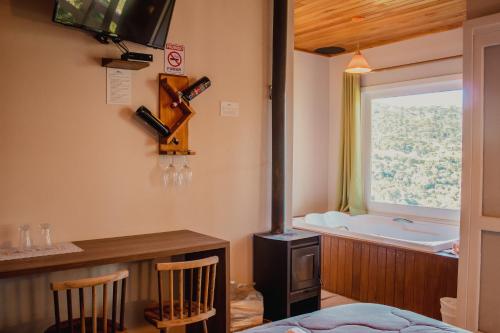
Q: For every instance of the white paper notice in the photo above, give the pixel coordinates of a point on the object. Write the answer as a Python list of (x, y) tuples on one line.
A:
[(118, 86)]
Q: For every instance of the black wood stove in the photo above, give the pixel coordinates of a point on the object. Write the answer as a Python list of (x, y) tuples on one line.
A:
[(287, 272)]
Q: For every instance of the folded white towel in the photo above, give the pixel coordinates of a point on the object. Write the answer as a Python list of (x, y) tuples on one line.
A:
[(295, 330)]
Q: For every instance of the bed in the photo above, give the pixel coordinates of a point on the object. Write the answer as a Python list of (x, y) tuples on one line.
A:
[(359, 318)]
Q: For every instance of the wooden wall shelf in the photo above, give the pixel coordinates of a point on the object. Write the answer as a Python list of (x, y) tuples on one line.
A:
[(123, 64), (173, 153)]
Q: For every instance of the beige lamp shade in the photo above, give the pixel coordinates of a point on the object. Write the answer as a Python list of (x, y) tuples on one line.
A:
[(358, 64)]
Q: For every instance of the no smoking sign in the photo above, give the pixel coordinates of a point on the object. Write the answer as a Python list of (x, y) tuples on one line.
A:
[(174, 59)]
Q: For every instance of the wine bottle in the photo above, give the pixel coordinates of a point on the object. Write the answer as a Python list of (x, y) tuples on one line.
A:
[(146, 115), (192, 91)]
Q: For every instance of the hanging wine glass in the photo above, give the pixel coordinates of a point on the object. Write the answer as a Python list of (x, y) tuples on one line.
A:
[(186, 174), (168, 171), (180, 180), (171, 174), (163, 164)]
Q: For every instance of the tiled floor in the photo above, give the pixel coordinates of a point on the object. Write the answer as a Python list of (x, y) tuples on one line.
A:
[(329, 299)]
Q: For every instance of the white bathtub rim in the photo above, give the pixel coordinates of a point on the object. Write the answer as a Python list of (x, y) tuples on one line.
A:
[(428, 247), (418, 219)]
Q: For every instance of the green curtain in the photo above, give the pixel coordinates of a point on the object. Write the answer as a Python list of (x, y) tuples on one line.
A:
[(352, 196)]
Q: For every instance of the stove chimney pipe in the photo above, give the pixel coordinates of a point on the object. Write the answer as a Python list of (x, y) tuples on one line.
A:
[(280, 13)]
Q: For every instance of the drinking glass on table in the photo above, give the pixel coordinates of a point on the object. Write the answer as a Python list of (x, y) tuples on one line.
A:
[(24, 238), (46, 237)]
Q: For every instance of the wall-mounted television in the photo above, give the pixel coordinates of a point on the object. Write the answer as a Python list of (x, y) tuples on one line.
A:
[(140, 21)]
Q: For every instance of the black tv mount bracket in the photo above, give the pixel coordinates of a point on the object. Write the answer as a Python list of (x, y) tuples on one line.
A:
[(104, 38), (126, 54)]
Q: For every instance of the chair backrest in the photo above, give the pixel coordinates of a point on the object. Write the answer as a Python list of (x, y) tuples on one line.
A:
[(199, 278), (94, 283)]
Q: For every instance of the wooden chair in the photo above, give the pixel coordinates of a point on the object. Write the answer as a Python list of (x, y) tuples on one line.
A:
[(188, 305), (93, 324)]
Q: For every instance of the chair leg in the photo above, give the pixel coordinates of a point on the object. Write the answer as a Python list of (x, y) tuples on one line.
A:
[(205, 329)]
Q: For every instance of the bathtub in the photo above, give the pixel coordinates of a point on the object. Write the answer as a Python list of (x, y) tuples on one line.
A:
[(419, 235)]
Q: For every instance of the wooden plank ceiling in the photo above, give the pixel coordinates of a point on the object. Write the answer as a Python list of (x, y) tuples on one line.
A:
[(323, 23)]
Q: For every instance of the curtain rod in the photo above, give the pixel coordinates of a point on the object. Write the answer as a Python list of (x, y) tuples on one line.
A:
[(417, 63)]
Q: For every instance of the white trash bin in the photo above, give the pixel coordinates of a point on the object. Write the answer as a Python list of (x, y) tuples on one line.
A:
[(449, 310)]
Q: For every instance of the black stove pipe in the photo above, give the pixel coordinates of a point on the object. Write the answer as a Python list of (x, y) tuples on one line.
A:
[(280, 13)]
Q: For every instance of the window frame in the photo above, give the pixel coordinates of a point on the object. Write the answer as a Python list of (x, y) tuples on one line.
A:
[(404, 88)]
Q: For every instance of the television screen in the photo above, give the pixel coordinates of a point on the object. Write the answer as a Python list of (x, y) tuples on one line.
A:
[(141, 21)]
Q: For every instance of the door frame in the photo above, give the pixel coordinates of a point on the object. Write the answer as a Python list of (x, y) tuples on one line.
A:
[(472, 222)]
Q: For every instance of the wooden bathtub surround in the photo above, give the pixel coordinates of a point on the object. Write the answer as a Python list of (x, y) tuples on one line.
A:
[(191, 301), (375, 273), (94, 324)]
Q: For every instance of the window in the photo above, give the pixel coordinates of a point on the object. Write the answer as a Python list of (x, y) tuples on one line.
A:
[(414, 147)]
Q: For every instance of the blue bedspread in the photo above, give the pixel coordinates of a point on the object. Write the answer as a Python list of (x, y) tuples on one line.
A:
[(359, 318)]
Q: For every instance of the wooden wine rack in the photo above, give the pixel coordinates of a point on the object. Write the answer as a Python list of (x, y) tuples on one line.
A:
[(176, 119)]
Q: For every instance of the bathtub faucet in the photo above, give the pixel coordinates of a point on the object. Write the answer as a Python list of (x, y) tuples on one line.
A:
[(402, 220), (344, 227)]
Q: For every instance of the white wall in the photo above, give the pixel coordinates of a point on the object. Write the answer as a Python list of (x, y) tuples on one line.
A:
[(424, 48), (310, 127), (86, 167)]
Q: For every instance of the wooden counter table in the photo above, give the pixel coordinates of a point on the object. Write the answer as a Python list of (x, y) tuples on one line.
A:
[(106, 251)]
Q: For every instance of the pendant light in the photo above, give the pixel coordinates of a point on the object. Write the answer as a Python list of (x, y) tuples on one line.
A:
[(358, 64)]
